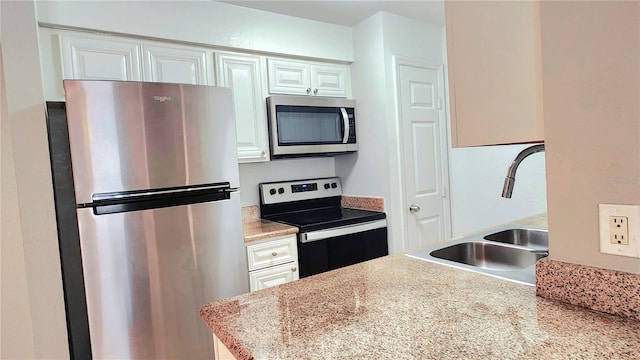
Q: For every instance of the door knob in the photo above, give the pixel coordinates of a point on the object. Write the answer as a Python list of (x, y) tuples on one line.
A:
[(414, 208)]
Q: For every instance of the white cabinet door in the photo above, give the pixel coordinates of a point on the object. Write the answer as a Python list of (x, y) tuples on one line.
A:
[(244, 75), (94, 57), (273, 252), (330, 80), (301, 78), (175, 64), (276, 275), (289, 77)]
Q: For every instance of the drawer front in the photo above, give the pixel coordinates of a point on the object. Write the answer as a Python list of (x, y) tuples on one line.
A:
[(272, 252), (273, 276)]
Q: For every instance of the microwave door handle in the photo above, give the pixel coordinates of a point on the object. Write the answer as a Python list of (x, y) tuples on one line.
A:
[(345, 120)]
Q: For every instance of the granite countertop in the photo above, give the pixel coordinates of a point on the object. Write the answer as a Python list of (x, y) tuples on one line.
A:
[(396, 307), (258, 229), (255, 228)]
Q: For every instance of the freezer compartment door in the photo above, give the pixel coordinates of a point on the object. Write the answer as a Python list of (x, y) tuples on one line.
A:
[(131, 136), (147, 273)]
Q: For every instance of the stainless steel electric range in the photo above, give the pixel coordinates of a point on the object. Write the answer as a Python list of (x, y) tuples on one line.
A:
[(330, 236)]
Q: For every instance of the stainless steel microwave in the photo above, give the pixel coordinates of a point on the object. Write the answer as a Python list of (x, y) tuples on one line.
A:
[(311, 126)]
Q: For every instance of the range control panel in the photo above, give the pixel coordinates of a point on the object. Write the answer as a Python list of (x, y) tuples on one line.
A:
[(296, 190)]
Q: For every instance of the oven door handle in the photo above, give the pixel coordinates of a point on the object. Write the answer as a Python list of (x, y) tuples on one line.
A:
[(343, 230)]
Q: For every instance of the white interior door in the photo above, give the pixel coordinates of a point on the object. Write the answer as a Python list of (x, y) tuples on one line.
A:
[(424, 150)]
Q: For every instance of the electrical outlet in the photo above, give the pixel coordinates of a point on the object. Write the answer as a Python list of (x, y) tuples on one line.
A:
[(620, 229)]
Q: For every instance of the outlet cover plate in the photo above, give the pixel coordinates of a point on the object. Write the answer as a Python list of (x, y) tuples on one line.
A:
[(632, 213)]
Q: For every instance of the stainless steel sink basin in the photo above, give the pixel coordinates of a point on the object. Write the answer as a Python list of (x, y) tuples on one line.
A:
[(529, 238), (507, 253), (488, 256)]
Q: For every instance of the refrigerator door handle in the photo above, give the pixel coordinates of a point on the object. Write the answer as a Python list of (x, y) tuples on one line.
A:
[(127, 195), (109, 203)]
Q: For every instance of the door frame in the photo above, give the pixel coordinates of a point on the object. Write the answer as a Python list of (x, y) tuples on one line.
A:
[(399, 201)]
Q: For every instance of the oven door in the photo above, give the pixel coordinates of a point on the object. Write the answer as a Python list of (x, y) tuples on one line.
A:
[(328, 249)]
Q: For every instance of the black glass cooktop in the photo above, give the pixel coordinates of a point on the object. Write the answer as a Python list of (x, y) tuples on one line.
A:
[(318, 219)]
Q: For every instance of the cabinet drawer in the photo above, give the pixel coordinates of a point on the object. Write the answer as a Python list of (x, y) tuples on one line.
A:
[(272, 252), (262, 279)]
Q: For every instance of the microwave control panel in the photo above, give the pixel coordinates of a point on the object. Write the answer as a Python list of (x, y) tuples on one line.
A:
[(352, 125)]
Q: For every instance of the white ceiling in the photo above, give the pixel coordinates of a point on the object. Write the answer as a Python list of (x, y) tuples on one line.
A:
[(349, 13)]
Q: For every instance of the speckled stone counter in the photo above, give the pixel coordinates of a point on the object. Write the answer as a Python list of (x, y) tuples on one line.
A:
[(259, 229), (397, 307), (255, 228)]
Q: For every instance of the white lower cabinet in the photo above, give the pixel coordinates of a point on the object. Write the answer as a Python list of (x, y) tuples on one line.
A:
[(272, 262), (262, 279)]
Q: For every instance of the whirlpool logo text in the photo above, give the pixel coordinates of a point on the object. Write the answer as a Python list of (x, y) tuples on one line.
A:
[(162, 98)]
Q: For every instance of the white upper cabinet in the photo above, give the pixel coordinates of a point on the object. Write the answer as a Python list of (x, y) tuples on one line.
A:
[(176, 64), (94, 57), (98, 57), (289, 77), (495, 72), (244, 75), (330, 80), (303, 78), (251, 77)]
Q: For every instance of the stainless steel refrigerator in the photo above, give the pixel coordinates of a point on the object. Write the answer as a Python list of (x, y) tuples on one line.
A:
[(149, 216)]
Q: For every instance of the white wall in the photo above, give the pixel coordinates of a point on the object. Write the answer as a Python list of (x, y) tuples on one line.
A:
[(592, 125), (252, 174), (33, 319), (476, 178), (374, 170), (16, 332), (476, 174), (366, 172), (205, 22)]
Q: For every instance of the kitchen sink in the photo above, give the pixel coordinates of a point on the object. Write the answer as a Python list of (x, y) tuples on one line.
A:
[(507, 253), (529, 238), (488, 256)]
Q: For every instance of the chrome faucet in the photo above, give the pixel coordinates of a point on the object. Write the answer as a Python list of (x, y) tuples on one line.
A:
[(510, 180)]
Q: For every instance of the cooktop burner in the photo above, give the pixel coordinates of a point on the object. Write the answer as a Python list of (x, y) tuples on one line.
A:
[(310, 204), (316, 219)]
